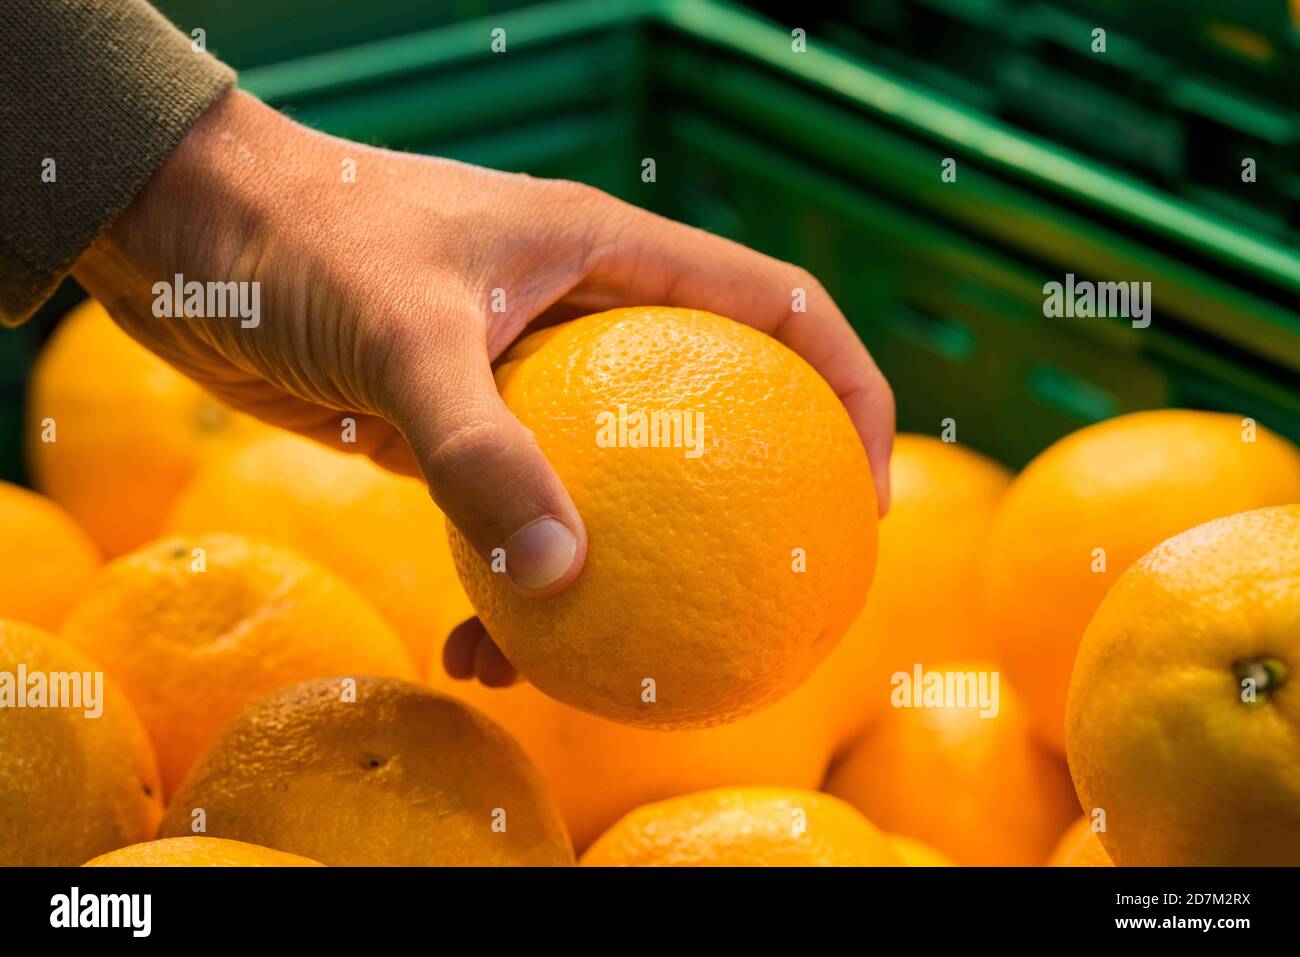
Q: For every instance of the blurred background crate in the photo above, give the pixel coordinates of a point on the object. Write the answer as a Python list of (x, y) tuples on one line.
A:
[(1184, 89), (1123, 166), (250, 33)]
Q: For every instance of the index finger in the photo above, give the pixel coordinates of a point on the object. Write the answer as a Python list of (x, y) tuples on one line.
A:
[(647, 259)]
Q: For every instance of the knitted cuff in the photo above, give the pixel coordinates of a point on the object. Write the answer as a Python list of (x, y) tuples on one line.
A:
[(94, 94)]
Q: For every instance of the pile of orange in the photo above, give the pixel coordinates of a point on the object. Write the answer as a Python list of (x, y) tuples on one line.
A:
[(1089, 663)]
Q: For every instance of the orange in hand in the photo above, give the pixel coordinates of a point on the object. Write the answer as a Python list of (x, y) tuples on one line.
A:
[(730, 515)]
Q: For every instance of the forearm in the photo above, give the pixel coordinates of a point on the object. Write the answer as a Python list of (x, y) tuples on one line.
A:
[(94, 95)]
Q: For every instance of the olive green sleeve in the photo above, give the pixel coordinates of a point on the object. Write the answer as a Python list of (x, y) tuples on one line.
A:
[(93, 96)]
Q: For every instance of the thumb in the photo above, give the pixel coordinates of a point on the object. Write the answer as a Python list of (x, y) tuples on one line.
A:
[(488, 474)]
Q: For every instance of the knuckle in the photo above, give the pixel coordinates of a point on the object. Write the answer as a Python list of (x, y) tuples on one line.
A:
[(805, 279), (612, 238), (881, 397), (597, 218), (470, 449), (887, 398), (572, 191)]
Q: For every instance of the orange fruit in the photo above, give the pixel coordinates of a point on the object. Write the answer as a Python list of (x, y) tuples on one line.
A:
[(1079, 847), (725, 561), (914, 853), (378, 531), (599, 770), (198, 852), (979, 789), (743, 827), (128, 430), (924, 602), (75, 780), (193, 628), (1185, 699), (45, 561), (1091, 505), (378, 772)]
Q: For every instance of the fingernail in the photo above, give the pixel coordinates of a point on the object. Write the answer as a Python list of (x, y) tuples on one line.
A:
[(540, 553)]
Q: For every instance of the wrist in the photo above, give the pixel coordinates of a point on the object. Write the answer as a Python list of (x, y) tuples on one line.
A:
[(197, 214)]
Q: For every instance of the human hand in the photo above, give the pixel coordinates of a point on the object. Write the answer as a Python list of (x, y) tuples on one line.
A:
[(377, 298)]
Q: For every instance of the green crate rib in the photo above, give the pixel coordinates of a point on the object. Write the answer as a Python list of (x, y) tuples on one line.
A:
[(1007, 156), (833, 163), (322, 74), (743, 33)]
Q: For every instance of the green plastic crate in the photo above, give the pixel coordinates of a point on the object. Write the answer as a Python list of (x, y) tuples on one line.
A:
[(1183, 92), (831, 161), (251, 33), (18, 350), (1250, 43), (823, 160)]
